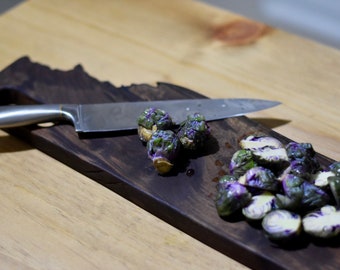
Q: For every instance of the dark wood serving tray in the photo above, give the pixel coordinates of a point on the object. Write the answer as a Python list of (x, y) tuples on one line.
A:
[(185, 198)]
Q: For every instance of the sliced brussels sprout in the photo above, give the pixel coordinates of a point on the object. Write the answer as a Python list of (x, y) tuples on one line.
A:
[(241, 161), (281, 225), (232, 197), (320, 179), (259, 206), (324, 223), (269, 155), (260, 177), (257, 142)]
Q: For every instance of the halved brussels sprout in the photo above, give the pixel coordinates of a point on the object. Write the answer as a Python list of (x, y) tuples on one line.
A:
[(257, 142), (281, 225), (259, 206), (320, 179), (268, 156), (259, 177), (324, 223)]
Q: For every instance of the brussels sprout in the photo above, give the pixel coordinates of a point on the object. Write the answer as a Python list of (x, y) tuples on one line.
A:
[(313, 197), (320, 179), (271, 156), (193, 132), (299, 150), (324, 223), (300, 195), (288, 203), (257, 142), (267, 151), (150, 120), (259, 206), (304, 167), (281, 225), (303, 160), (223, 180), (335, 168), (292, 186), (241, 161), (293, 193), (163, 148), (232, 197), (261, 178), (334, 183)]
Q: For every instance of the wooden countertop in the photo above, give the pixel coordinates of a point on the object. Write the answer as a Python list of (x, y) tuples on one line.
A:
[(47, 219)]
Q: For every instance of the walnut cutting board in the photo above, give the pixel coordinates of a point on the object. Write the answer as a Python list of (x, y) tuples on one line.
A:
[(119, 162)]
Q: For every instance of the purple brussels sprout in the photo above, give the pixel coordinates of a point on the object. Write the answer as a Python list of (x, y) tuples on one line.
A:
[(261, 178), (300, 195), (231, 197), (266, 151), (241, 161), (282, 225), (259, 206), (313, 197), (334, 183), (302, 158), (320, 179), (150, 120), (193, 132), (335, 168), (299, 150), (292, 186), (223, 180), (163, 148), (254, 142), (324, 223)]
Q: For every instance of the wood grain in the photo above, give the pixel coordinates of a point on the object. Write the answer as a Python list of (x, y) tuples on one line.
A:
[(184, 200), (128, 42)]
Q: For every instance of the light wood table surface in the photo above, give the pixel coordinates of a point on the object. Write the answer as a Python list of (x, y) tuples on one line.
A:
[(52, 217)]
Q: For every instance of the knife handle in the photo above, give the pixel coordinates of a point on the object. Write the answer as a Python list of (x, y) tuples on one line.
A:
[(22, 115)]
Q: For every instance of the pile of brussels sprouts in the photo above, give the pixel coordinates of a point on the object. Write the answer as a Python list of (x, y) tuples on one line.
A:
[(164, 139), (283, 188)]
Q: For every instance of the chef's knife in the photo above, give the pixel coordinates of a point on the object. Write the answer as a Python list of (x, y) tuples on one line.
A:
[(119, 116)]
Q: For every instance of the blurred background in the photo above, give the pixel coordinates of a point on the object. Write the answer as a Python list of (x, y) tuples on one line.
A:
[(314, 19), (7, 4)]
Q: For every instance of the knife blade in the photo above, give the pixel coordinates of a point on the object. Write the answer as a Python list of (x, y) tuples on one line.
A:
[(118, 116)]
